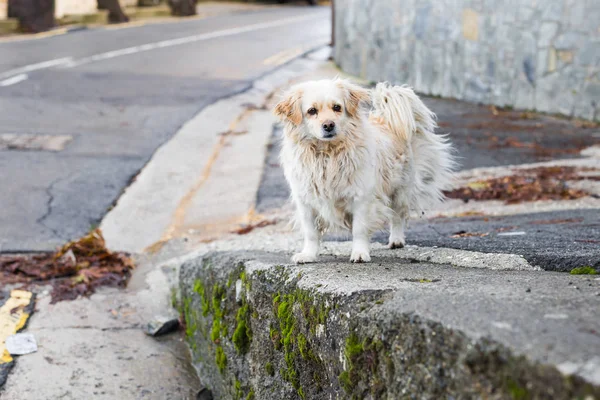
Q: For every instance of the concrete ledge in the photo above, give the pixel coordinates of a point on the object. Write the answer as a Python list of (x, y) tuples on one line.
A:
[(261, 328)]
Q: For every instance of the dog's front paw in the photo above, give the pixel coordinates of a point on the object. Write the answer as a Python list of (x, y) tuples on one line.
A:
[(360, 256), (303, 258)]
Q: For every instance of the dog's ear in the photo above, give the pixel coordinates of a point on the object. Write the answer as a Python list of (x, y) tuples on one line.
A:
[(290, 107), (354, 96)]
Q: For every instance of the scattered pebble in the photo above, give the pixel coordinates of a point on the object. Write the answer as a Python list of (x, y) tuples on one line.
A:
[(161, 326), (528, 290)]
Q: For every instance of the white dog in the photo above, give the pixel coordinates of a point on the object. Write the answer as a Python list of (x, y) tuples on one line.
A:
[(354, 169)]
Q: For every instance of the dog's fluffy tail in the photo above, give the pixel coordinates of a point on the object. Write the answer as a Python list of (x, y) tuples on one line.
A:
[(411, 121)]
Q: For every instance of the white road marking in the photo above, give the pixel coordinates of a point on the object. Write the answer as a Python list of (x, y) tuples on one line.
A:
[(35, 67), (183, 40), (17, 75), (14, 80)]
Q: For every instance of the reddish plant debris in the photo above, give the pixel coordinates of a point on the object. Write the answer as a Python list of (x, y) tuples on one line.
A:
[(574, 146), (78, 268), (462, 234), (587, 241), (243, 230), (542, 183)]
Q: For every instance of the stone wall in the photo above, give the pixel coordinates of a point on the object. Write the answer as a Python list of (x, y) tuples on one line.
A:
[(528, 54)]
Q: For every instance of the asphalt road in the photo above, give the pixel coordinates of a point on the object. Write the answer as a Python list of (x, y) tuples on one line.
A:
[(119, 94)]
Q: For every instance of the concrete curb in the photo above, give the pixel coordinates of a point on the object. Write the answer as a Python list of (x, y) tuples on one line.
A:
[(261, 328)]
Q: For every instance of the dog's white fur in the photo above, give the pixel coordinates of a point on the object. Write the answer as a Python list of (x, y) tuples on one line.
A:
[(379, 166)]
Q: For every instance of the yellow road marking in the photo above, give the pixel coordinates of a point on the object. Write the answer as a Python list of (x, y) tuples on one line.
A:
[(12, 318), (125, 25), (35, 36), (283, 57)]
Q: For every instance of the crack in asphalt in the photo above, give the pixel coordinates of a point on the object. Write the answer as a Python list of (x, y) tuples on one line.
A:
[(48, 211)]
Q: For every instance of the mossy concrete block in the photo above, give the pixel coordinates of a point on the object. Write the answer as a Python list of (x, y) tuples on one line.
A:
[(261, 328)]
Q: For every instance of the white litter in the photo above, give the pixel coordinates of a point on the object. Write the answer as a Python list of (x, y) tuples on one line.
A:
[(20, 344), (511, 233)]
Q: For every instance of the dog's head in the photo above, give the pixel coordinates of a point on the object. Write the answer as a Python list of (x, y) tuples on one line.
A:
[(323, 110)]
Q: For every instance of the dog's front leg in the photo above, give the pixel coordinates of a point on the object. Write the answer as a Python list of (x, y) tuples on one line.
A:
[(311, 234), (361, 236)]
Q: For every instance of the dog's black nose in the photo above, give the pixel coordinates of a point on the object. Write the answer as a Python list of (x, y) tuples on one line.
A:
[(328, 126)]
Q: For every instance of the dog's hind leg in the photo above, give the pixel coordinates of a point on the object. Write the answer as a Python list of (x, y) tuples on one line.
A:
[(397, 225)]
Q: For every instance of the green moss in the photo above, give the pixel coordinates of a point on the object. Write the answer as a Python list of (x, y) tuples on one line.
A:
[(250, 395), (587, 270), (323, 314), (516, 391), (354, 347), (302, 346), (174, 302), (220, 359), (242, 336), (188, 315), (275, 338), (215, 333), (218, 295), (199, 288), (345, 381), (291, 337), (238, 390), (269, 369), (362, 359)]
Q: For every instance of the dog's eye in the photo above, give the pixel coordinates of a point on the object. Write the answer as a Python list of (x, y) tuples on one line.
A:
[(337, 108), (312, 111)]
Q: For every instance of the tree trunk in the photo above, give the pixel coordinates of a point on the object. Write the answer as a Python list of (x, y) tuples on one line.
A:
[(115, 13), (182, 8), (34, 15)]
